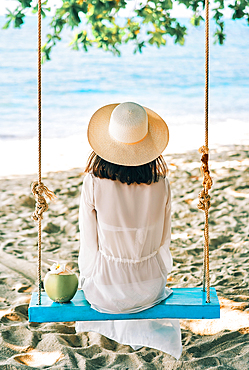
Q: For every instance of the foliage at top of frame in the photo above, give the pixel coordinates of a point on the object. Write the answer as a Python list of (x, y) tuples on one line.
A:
[(98, 22)]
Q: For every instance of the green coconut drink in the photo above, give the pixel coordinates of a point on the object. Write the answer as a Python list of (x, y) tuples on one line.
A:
[(60, 284)]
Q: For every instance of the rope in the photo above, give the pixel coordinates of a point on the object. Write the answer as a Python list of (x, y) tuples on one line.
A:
[(39, 146), (38, 188), (204, 198)]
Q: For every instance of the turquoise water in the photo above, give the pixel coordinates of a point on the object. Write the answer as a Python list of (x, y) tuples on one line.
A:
[(169, 80)]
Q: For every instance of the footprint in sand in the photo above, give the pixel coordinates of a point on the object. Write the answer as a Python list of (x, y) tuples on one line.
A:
[(51, 228), (18, 313), (20, 288), (26, 201), (11, 316), (36, 359)]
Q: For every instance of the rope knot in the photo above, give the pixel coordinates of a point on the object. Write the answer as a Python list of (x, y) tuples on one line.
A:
[(204, 201), (41, 205), (203, 149), (204, 198)]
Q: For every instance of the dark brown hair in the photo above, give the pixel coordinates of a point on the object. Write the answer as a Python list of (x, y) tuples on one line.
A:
[(144, 174)]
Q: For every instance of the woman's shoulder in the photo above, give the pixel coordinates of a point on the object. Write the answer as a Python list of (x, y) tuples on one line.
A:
[(88, 178), (163, 181), (166, 180), (88, 181), (92, 181)]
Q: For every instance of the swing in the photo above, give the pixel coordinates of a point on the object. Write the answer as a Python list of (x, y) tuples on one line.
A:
[(183, 303)]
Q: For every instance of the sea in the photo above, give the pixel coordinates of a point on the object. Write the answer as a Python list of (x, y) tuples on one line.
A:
[(169, 80)]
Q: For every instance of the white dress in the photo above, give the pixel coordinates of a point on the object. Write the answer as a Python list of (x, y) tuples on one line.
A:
[(124, 259)]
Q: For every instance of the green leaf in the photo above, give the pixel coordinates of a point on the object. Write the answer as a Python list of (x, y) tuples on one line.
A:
[(25, 3), (196, 19), (6, 25)]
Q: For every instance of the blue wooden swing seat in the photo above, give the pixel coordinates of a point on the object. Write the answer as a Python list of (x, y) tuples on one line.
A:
[(183, 303)]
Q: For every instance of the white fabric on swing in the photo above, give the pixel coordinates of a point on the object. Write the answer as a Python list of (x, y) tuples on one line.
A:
[(163, 334), (124, 258)]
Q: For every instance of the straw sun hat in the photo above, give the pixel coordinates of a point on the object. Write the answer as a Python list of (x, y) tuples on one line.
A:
[(127, 134)]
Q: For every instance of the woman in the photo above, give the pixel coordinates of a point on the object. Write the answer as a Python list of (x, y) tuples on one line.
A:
[(125, 230)]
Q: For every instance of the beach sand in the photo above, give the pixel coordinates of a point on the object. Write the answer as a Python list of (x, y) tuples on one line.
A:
[(207, 344)]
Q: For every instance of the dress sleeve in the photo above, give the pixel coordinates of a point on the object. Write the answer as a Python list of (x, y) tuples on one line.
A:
[(88, 230), (166, 237)]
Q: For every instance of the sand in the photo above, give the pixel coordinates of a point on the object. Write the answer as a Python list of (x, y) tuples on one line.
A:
[(207, 344)]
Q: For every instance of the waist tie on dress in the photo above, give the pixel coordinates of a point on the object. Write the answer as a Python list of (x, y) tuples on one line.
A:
[(127, 260)]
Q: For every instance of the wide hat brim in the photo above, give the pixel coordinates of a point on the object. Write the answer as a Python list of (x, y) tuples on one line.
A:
[(134, 154)]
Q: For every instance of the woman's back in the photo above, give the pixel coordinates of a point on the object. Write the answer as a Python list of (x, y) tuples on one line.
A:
[(132, 259)]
